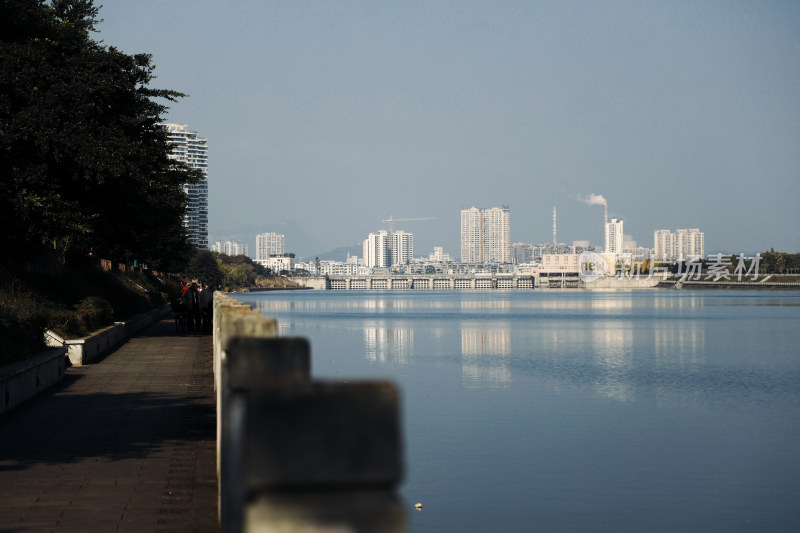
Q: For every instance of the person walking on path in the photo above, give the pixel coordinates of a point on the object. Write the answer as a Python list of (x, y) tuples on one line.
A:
[(206, 306), (191, 302)]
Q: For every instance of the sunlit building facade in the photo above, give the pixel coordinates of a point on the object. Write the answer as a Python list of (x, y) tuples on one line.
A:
[(375, 249), (485, 235), (681, 245), (402, 247), (269, 244), (614, 237), (190, 149)]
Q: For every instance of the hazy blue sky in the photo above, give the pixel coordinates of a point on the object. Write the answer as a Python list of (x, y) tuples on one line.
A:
[(327, 117)]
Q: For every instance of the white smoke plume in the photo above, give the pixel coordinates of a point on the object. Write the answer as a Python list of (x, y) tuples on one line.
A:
[(593, 199)]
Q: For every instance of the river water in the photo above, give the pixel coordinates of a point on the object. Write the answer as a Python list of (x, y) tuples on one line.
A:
[(573, 410)]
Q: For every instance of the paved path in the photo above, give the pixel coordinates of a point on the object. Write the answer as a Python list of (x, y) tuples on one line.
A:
[(123, 444)]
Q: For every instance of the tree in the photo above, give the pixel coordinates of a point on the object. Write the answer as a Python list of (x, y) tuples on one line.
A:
[(203, 267), (83, 160), (240, 270)]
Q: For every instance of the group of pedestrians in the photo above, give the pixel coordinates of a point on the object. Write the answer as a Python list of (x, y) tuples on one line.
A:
[(197, 302)]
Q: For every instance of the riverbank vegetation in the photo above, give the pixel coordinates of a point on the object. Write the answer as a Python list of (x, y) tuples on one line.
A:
[(234, 273), (72, 304), (773, 262), (783, 265)]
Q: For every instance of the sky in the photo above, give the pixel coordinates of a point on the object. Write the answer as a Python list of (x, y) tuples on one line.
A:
[(325, 118)]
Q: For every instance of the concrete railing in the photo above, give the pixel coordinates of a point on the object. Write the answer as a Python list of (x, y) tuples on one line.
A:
[(83, 350), (24, 380), (295, 454)]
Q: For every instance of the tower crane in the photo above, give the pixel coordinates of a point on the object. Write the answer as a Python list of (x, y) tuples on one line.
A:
[(391, 220)]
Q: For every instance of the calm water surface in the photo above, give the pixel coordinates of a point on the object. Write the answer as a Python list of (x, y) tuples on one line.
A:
[(577, 411)]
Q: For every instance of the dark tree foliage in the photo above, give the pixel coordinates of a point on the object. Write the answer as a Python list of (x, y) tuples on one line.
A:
[(204, 268), (83, 163), (773, 262)]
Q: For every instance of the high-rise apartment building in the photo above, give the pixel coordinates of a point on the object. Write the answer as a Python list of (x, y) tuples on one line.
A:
[(662, 248), (268, 244), (614, 237), (230, 248), (402, 248), (376, 249), (471, 235), (380, 251), (192, 150), (682, 245), (485, 235)]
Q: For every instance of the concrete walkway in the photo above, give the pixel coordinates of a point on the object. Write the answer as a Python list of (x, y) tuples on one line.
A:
[(127, 443)]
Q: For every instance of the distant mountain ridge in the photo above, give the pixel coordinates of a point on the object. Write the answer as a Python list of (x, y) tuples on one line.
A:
[(340, 254)]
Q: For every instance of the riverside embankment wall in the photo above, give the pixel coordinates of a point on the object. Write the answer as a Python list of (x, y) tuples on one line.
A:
[(24, 380)]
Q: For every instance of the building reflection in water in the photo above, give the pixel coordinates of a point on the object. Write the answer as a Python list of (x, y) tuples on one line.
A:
[(485, 304), (484, 357), (285, 328), (679, 344), (613, 354), (384, 344)]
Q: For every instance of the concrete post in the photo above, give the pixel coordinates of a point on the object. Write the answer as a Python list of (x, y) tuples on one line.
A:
[(323, 436), (250, 363)]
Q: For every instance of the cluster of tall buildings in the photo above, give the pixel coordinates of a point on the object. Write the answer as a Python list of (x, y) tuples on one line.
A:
[(485, 233), (485, 240)]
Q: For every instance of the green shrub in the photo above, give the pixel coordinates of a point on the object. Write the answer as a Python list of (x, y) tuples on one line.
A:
[(94, 312), (65, 323), (31, 302)]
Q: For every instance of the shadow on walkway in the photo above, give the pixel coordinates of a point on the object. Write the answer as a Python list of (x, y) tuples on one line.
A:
[(126, 442)]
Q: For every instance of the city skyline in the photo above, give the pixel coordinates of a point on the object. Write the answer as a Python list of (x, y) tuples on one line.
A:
[(323, 118)]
